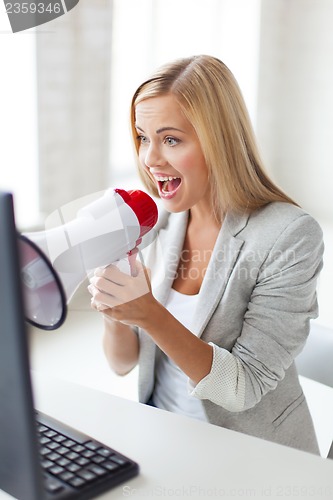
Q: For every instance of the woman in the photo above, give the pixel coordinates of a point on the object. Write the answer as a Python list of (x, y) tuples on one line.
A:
[(233, 270)]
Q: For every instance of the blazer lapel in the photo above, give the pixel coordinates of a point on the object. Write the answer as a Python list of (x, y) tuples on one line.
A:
[(226, 250), (221, 264)]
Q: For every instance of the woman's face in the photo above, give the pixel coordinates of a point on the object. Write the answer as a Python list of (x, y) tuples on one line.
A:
[(170, 152)]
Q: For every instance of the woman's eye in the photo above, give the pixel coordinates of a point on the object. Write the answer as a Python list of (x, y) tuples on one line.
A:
[(142, 139), (171, 141)]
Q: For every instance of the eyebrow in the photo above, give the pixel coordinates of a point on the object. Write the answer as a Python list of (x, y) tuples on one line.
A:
[(162, 129)]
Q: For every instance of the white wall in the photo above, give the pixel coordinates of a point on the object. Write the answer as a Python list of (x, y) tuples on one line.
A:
[(295, 106), (295, 113), (149, 33)]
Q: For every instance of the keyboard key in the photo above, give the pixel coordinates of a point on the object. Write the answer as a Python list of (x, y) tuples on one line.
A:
[(105, 452), (52, 445), (82, 461), (72, 455), (73, 467), (99, 471), (63, 461), (69, 443), (118, 460), (44, 450), (53, 486), (98, 459), (62, 450), (49, 433), (59, 438), (87, 475), (110, 465), (78, 448), (56, 470), (52, 456), (44, 440), (66, 476), (91, 445), (77, 482), (46, 464)]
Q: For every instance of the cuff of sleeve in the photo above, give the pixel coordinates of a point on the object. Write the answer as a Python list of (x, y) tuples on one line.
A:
[(225, 383)]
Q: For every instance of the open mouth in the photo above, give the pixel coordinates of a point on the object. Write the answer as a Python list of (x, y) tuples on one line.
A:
[(168, 186)]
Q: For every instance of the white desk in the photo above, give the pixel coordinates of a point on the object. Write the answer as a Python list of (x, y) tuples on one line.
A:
[(181, 457)]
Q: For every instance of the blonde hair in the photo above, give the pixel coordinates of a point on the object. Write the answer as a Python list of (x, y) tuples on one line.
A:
[(211, 100)]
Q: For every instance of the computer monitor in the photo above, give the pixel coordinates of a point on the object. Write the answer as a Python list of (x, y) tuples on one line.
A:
[(19, 453)]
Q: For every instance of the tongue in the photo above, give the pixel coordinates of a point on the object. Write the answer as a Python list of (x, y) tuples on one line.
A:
[(172, 185)]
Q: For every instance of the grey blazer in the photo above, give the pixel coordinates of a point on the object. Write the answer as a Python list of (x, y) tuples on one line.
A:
[(257, 298)]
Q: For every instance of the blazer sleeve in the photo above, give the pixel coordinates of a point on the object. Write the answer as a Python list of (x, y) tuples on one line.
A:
[(276, 323)]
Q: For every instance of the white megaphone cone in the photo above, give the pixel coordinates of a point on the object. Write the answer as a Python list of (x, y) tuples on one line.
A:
[(56, 261)]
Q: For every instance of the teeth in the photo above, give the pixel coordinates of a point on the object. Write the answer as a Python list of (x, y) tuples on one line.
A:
[(163, 179)]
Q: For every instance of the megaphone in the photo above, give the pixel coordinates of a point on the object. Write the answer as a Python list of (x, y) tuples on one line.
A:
[(56, 261)]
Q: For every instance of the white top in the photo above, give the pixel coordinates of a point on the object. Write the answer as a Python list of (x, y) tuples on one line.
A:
[(171, 391)]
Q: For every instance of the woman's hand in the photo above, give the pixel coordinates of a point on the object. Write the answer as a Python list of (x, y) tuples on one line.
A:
[(128, 300), (122, 297)]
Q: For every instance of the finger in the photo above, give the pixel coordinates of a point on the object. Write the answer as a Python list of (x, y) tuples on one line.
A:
[(101, 301), (144, 273), (112, 273), (98, 306), (106, 287)]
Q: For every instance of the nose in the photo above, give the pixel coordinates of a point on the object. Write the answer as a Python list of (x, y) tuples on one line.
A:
[(153, 157)]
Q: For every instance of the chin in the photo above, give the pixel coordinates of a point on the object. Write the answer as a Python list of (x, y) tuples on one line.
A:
[(173, 207)]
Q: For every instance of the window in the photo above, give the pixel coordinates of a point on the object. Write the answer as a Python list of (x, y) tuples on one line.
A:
[(18, 121)]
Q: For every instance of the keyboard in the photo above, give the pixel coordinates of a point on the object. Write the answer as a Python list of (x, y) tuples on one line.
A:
[(76, 466)]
